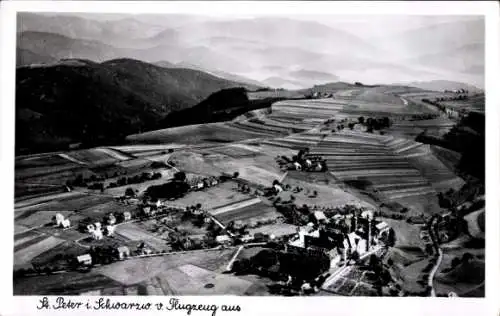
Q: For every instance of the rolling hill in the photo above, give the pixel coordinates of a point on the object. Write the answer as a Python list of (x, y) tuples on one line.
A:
[(101, 102), (56, 47), (279, 82), (123, 32), (441, 85), (467, 59), (221, 74), (27, 57)]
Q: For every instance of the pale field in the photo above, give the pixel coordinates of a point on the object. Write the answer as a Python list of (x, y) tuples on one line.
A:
[(275, 229), (214, 133), (32, 235), (19, 229), (328, 196), (197, 163), (25, 255), (191, 280), (93, 156), (234, 206), (133, 163), (255, 174), (113, 153), (141, 269), (219, 195), (19, 206), (135, 233)]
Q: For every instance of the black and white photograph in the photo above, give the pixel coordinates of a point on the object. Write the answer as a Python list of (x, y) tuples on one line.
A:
[(179, 154)]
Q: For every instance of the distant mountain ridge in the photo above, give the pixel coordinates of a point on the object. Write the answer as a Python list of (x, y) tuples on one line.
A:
[(441, 85), (221, 74), (266, 47), (83, 101)]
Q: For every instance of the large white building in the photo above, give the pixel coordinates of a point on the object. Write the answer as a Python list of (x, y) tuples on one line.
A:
[(84, 259), (58, 219), (97, 234), (65, 223)]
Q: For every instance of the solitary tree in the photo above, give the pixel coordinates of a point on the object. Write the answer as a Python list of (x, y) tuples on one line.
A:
[(129, 192), (180, 176), (391, 238)]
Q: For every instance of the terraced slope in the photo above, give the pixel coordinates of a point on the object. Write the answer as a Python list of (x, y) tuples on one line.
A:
[(368, 157)]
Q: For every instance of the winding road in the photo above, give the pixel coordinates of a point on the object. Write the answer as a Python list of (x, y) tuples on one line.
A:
[(432, 274)]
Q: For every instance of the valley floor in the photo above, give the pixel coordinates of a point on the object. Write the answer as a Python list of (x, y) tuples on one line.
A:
[(387, 171)]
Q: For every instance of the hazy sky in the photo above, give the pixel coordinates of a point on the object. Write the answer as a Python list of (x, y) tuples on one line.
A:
[(380, 31)]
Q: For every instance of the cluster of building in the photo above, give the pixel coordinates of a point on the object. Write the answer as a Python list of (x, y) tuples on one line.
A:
[(106, 228), (60, 221), (197, 184), (118, 253), (303, 161), (318, 95), (311, 163), (339, 236), (458, 91)]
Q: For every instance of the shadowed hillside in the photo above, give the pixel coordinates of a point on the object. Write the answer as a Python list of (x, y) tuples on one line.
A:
[(83, 101), (220, 106)]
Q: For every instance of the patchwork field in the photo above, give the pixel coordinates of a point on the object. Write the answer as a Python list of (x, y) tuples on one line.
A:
[(373, 170), (245, 211), (215, 133), (192, 280), (132, 232), (138, 270), (222, 194), (24, 255)]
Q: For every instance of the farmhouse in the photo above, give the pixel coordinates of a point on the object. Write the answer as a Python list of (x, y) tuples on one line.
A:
[(85, 259), (297, 166), (320, 217), (58, 219), (277, 188), (308, 163), (123, 252), (97, 234), (381, 228), (111, 219), (127, 216), (110, 230), (223, 239), (65, 223), (90, 228), (146, 251)]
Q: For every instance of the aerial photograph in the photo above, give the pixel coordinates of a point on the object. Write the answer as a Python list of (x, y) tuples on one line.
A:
[(249, 155)]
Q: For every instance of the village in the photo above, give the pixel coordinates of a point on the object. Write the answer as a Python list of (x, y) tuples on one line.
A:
[(344, 207), (339, 237)]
